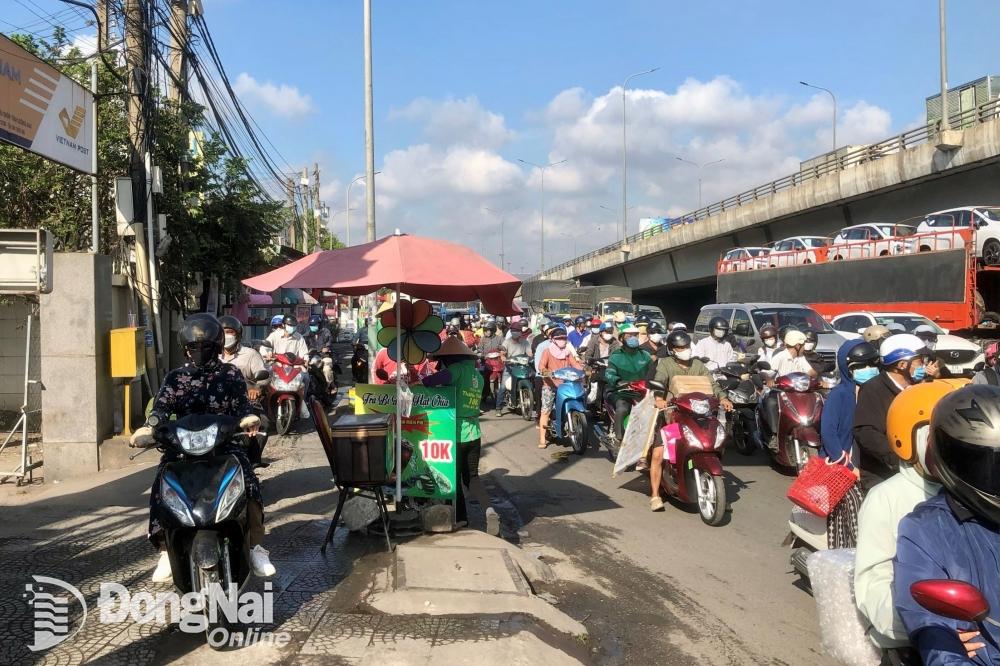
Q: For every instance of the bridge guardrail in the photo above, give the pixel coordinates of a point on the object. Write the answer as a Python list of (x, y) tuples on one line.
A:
[(985, 112)]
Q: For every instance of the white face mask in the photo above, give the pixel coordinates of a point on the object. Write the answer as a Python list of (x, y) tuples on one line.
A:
[(606, 336), (683, 355), (770, 342), (230, 341), (656, 337), (809, 346)]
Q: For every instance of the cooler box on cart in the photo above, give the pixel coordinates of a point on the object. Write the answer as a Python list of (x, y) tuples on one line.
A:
[(359, 444)]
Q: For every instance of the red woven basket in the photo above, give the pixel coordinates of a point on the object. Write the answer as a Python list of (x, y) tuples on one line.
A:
[(820, 486)]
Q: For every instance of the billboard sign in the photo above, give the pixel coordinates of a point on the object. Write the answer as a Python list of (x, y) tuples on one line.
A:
[(43, 110)]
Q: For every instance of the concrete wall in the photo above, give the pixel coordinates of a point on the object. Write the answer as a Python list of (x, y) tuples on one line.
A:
[(13, 320), (77, 403), (898, 186)]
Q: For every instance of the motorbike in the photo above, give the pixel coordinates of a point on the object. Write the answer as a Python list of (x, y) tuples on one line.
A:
[(634, 392), (324, 391), (743, 390), (359, 363), (520, 385), (492, 369), (285, 393), (800, 407), (202, 508), (692, 462), (569, 414)]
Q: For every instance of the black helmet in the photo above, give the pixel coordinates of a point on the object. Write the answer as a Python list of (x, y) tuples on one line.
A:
[(678, 340), (718, 323), (580, 320), (862, 356), (491, 326), (291, 321), (812, 337), (964, 448), (202, 336), (642, 320), (768, 331), (654, 328), (229, 321)]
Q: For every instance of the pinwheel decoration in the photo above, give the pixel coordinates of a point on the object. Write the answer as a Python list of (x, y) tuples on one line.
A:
[(418, 328)]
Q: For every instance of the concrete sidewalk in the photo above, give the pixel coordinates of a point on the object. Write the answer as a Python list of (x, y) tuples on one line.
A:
[(453, 598)]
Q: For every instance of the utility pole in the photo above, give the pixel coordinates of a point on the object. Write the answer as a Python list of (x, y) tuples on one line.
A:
[(304, 193), (317, 208), (290, 190), (369, 126), (178, 49), (137, 64), (103, 30)]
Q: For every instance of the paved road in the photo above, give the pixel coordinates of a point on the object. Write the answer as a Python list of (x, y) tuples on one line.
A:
[(660, 583)]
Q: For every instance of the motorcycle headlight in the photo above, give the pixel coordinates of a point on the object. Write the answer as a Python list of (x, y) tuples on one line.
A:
[(720, 435), (689, 435), (700, 407), (173, 501), (197, 442), (800, 383), (230, 495)]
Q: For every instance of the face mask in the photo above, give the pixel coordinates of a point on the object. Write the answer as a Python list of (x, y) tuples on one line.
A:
[(718, 333), (809, 346), (862, 375), (606, 336), (656, 337), (561, 344), (515, 335), (289, 329), (230, 341), (770, 342), (595, 331), (683, 354), (314, 329), (632, 342), (919, 374)]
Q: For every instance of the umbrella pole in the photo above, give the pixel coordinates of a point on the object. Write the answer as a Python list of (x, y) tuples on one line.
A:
[(399, 390)]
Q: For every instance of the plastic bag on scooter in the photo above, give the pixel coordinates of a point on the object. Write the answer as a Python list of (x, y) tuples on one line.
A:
[(638, 433), (843, 630), (593, 395)]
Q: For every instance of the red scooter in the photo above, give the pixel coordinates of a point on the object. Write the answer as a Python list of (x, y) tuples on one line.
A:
[(800, 407), (286, 392), (692, 455)]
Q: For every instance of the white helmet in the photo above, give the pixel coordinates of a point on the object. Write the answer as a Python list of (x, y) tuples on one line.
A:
[(901, 347)]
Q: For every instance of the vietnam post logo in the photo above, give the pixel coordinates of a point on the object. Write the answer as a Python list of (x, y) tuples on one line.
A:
[(51, 611), (72, 124)]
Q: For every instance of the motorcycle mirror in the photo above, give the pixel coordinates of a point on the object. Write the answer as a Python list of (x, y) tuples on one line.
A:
[(261, 376), (951, 598)]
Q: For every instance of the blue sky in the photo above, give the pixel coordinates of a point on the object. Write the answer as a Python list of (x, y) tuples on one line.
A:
[(464, 89)]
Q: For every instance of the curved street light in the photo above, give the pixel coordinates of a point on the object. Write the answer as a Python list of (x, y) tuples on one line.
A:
[(348, 206), (699, 167), (542, 169)]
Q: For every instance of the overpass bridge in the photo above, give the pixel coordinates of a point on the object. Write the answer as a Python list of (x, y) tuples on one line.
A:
[(916, 172)]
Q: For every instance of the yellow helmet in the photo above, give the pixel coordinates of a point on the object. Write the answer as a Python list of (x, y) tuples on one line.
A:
[(911, 410)]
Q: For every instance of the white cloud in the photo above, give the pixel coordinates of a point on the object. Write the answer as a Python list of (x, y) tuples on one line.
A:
[(440, 185), (282, 100)]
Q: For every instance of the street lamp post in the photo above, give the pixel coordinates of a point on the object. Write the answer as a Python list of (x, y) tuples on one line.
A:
[(348, 206), (699, 167), (834, 98), (625, 154), (542, 235), (502, 214)]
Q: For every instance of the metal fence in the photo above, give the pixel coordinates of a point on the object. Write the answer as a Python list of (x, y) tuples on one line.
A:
[(985, 112)]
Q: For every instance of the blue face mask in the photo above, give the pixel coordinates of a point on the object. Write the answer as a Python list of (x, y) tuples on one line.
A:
[(918, 374), (289, 329), (632, 342), (862, 375), (314, 329)]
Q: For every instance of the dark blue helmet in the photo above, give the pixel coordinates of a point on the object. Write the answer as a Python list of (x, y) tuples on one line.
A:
[(316, 320)]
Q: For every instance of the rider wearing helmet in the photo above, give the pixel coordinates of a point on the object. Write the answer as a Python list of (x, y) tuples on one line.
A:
[(902, 359), (809, 353), (559, 354), (319, 340), (579, 332), (490, 342), (876, 333), (907, 425), (989, 374), (955, 534), (679, 362), (715, 347), (654, 337), (769, 344), (247, 359), (287, 340), (628, 363), (205, 385)]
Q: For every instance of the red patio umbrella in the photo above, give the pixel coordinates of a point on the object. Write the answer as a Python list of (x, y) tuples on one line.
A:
[(421, 267)]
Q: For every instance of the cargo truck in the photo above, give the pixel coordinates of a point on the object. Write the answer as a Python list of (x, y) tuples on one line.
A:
[(602, 300), (547, 296)]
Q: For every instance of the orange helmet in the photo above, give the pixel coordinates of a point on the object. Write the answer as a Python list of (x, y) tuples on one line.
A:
[(911, 410)]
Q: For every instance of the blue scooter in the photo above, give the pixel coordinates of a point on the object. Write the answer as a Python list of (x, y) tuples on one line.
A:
[(569, 414)]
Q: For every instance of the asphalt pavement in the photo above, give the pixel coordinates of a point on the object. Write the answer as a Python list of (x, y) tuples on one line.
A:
[(659, 583)]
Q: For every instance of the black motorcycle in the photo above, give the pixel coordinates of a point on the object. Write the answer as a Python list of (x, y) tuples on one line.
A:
[(203, 507), (742, 387), (323, 390), (359, 363)]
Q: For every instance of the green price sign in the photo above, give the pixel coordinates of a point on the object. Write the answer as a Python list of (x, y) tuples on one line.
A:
[(430, 436)]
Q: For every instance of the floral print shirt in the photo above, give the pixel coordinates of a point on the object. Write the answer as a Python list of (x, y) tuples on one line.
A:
[(217, 388)]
